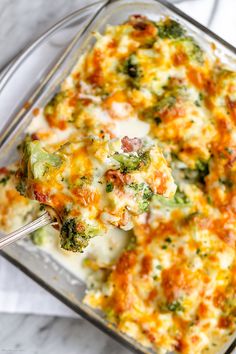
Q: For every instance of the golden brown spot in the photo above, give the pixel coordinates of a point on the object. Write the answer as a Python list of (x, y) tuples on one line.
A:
[(176, 279), (85, 197), (96, 77), (224, 322), (117, 178), (196, 77), (219, 298), (146, 265), (202, 310), (36, 112), (152, 295), (231, 105), (179, 58)]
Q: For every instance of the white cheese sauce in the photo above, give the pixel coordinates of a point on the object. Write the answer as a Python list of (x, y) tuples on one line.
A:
[(104, 250)]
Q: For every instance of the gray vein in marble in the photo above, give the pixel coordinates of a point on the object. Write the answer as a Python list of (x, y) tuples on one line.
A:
[(182, 1), (214, 10), (24, 21), (52, 335)]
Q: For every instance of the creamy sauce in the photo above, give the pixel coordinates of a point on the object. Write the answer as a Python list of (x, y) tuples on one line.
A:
[(132, 127), (104, 250)]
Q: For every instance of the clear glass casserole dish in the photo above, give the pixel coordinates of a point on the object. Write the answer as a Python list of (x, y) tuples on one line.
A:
[(60, 48)]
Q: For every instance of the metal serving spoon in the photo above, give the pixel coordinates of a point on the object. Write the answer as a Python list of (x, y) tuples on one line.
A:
[(43, 220)]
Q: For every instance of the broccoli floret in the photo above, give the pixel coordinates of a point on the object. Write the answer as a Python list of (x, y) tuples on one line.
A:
[(38, 237), (175, 306), (168, 203), (147, 194), (21, 187), (144, 205), (131, 67), (38, 159), (226, 182), (158, 120), (192, 49), (152, 113), (4, 179), (75, 235), (180, 197), (131, 162), (191, 175), (149, 43), (198, 174), (194, 175), (109, 187), (170, 29), (164, 102), (143, 194), (202, 166), (52, 105), (132, 243), (203, 170)]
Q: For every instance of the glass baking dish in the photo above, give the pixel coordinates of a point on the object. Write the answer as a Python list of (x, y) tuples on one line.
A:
[(48, 61)]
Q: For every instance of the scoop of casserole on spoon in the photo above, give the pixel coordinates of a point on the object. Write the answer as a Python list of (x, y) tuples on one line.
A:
[(90, 185)]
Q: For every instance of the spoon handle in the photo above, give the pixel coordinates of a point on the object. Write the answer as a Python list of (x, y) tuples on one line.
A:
[(14, 236)]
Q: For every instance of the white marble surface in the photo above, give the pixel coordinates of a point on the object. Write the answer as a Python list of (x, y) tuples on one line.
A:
[(30, 334), (21, 21)]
